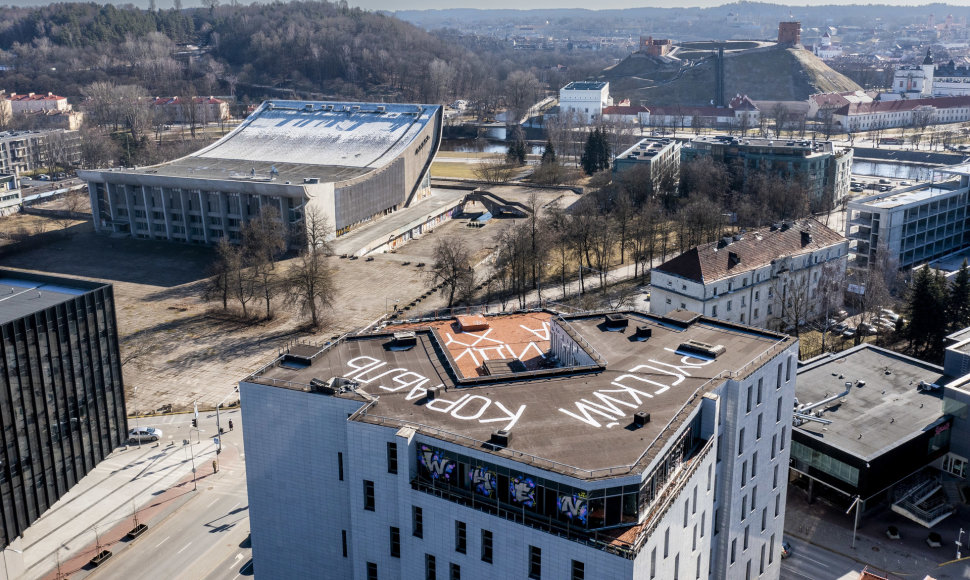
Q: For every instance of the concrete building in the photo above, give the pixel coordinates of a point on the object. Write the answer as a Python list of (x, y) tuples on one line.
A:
[(766, 278), (199, 110), (821, 167), (32, 102), (10, 196), (531, 445), (656, 156), (822, 104), (888, 114), (915, 225), (914, 81), (24, 151), (871, 424), (352, 162), (739, 112), (62, 401), (826, 49), (585, 98), (950, 80)]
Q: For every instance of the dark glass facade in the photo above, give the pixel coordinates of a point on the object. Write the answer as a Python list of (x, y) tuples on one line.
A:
[(62, 407)]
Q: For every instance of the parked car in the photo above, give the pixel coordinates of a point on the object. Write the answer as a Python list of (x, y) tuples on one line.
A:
[(840, 327), (785, 549), (883, 181), (849, 332), (60, 175), (867, 329), (42, 177), (841, 315), (886, 313), (144, 434)]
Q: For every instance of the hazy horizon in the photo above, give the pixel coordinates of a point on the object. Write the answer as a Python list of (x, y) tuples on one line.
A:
[(408, 5)]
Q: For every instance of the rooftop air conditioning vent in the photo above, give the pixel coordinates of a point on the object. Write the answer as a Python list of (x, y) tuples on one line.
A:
[(501, 438), (381, 108), (644, 332), (641, 418), (311, 180), (332, 386), (616, 321), (703, 348), (433, 393)]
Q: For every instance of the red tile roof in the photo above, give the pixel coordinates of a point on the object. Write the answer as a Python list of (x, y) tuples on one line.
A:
[(904, 105), (756, 249), (34, 97), (624, 110)]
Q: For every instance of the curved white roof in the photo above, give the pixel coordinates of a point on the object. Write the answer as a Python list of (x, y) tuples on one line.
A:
[(335, 134)]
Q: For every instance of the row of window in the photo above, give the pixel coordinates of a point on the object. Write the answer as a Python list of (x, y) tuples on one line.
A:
[(578, 568)]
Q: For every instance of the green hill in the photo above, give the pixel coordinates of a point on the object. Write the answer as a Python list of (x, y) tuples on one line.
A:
[(774, 73)]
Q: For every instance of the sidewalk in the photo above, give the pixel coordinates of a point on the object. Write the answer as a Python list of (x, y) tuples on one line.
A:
[(155, 480), (828, 527)]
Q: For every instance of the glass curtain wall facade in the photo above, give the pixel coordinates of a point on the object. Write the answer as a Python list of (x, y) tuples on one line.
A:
[(62, 407)]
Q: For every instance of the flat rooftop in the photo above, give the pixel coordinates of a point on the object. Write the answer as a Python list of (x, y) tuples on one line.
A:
[(877, 417), (572, 420), (22, 294), (295, 140), (915, 194), (799, 146), (585, 86)]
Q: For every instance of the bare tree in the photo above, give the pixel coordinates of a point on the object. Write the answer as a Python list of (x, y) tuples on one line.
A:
[(452, 269), (309, 281), (263, 241), (495, 170)]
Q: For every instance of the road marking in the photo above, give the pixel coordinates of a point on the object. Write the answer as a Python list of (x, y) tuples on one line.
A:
[(235, 506), (212, 502), (238, 556), (789, 570), (183, 549), (163, 541), (822, 564)]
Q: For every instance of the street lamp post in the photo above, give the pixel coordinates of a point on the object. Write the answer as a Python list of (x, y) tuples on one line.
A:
[(218, 425), (6, 571), (133, 394), (855, 525), (192, 450)]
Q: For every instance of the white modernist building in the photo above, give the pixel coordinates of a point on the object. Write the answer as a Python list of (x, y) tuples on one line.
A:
[(916, 224), (354, 162), (530, 445), (586, 98), (767, 278), (10, 196)]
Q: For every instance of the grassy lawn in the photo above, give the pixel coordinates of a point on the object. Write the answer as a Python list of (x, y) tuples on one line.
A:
[(453, 170)]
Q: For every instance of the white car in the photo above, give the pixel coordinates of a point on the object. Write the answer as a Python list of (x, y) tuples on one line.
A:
[(144, 434), (889, 314)]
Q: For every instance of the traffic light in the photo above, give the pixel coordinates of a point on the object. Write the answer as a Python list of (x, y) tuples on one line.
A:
[(195, 423)]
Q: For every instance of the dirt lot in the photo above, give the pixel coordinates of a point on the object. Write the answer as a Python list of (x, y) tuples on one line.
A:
[(180, 350)]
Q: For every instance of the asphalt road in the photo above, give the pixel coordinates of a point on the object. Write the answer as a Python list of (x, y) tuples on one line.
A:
[(208, 537), (809, 562)]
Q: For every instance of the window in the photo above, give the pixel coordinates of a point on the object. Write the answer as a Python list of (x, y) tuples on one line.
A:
[(778, 411), (774, 479), (764, 518), (781, 442), (698, 568), (694, 501), (729, 304), (734, 549), (788, 369), (757, 295), (754, 464), (371, 571), (666, 542), (714, 310), (710, 469), (747, 569), (758, 430), (578, 570), (760, 386), (744, 473), (535, 563), (417, 522), (686, 512), (391, 457), (774, 440), (369, 495), (755, 313), (693, 546), (430, 567), (777, 504), (741, 441), (653, 563), (754, 496), (703, 522), (461, 537), (677, 567), (343, 540), (340, 466), (746, 528), (486, 546), (744, 507), (668, 301), (778, 383), (454, 572), (395, 542), (771, 549), (748, 404)]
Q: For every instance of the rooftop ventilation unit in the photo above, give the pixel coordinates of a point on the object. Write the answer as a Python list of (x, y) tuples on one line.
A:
[(806, 237), (381, 108), (616, 321), (332, 386), (641, 418), (433, 393), (501, 438), (644, 332), (696, 346), (733, 259), (308, 106), (311, 180)]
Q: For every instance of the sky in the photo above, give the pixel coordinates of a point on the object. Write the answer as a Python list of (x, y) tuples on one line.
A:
[(604, 4)]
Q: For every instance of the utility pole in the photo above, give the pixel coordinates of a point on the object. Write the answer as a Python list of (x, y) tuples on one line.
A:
[(855, 526), (959, 544)]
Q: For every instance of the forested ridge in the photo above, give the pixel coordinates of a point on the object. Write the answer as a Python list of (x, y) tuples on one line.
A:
[(295, 49)]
